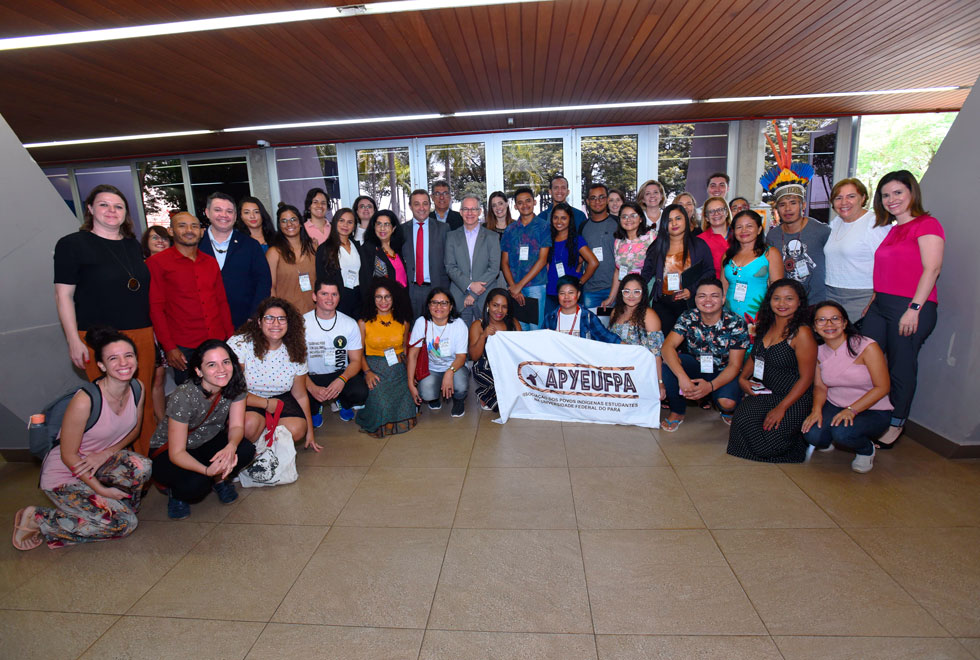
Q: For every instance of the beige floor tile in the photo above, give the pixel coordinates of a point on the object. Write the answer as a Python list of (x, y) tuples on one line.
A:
[(702, 647), (971, 644), (454, 645), (49, 634), (237, 572), (632, 498), (427, 447), (939, 567), (695, 448), (404, 497), (664, 583), (18, 488), (350, 449), (335, 643), (519, 443), (749, 497), (314, 499), (512, 581), (368, 577), (870, 648), (176, 639), (107, 577), (516, 498), (595, 445), (208, 510), (819, 582)]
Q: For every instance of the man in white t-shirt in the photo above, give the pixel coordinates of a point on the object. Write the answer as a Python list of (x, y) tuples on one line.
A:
[(334, 355)]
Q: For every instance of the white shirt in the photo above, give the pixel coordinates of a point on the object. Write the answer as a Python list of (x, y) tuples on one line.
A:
[(350, 265), (220, 249), (850, 251), (272, 375), (327, 342), (442, 342)]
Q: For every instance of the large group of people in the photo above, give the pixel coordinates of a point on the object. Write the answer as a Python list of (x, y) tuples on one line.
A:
[(802, 337)]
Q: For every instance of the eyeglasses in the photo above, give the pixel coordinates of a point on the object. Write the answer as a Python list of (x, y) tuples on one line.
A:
[(596, 198), (288, 221), (386, 296), (365, 206), (629, 216), (440, 193), (281, 320), (824, 320), (632, 292), (716, 212), (466, 209), (438, 303)]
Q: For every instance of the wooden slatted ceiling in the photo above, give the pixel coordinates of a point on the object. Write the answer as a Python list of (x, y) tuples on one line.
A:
[(527, 55)]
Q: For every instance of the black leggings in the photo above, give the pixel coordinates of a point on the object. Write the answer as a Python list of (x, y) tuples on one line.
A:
[(192, 486)]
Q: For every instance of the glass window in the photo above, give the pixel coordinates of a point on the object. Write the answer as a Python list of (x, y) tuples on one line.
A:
[(609, 159), (120, 176), (162, 188), (462, 166), (305, 167), (814, 142), (532, 163), (58, 176), (228, 174), (688, 154), (384, 174)]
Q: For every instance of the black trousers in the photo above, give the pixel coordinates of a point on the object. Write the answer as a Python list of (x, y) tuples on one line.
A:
[(194, 486), (355, 392), (881, 324)]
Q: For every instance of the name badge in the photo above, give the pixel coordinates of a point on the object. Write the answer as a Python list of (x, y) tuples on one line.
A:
[(707, 364), (802, 270), (623, 272), (673, 281), (598, 254), (350, 278), (560, 269), (304, 282), (758, 369), (525, 251), (391, 356), (741, 289)]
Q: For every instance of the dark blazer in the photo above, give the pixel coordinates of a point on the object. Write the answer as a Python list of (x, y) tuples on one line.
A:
[(453, 218), (369, 252), (485, 266), (437, 251), (245, 275), (701, 265)]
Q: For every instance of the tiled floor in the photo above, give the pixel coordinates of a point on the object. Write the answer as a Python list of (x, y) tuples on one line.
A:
[(465, 539)]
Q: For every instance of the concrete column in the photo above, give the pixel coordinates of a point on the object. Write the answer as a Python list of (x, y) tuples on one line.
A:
[(750, 160), (258, 167)]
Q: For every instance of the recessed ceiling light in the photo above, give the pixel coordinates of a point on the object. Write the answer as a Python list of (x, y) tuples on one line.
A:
[(331, 122), (246, 20), (830, 95), (116, 138)]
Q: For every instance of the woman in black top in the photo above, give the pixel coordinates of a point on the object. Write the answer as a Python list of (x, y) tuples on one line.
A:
[(379, 253)]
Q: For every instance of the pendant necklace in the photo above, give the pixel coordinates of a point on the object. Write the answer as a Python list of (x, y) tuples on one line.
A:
[(133, 284)]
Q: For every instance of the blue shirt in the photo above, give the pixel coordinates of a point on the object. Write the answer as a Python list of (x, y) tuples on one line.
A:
[(559, 255), (536, 235)]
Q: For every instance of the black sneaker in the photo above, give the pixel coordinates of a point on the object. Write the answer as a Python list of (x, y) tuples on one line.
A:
[(459, 407), (435, 404), (226, 492), (177, 509)]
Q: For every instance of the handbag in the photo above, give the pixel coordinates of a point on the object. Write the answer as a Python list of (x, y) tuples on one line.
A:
[(422, 364), (276, 464)]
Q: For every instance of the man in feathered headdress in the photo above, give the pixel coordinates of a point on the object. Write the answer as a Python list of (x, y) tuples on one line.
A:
[(800, 239)]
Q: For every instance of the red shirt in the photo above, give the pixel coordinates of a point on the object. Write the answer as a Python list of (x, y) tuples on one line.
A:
[(898, 261), (718, 245), (187, 300)]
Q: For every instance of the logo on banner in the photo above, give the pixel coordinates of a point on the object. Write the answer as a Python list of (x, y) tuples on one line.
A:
[(572, 379)]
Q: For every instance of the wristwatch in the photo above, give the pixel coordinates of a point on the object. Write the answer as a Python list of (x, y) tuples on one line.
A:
[(915, 306)]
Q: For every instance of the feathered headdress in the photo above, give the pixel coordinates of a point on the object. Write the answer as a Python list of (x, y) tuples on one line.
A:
[(787, 177)]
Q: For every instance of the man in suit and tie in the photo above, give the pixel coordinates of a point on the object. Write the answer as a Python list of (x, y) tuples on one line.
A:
[(472, 261), (441, 199), (423, 251), (244, 270)]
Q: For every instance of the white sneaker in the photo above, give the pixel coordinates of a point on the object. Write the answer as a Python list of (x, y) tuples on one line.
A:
[(335, 406), (863, 464)]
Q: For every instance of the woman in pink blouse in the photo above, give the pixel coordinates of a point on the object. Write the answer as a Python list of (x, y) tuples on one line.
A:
[(633, 239), (902, 313)]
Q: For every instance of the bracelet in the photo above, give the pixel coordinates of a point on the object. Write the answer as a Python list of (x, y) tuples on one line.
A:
[(342, 379), (452, 368), (712, 383), (852, 410)]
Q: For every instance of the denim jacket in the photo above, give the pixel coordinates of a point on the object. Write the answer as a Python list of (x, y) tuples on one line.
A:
[(589, 326)]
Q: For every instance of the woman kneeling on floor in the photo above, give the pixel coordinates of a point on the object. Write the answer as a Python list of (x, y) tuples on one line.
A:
[(94, 481), (193, 449), (850, 388), (443, 335)]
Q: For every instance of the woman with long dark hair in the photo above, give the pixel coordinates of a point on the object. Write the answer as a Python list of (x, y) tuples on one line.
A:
[(255, 221), (498, 216), (777, 379), (315, 213), (292, 260), (748, 267), (364, 207), (380, 254), (340, 259), (636, 323), (567, 255), (674, 264), (632, 239), (850, 388), (498, 316)]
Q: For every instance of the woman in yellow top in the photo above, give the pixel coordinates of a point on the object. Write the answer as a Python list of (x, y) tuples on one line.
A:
[(385, 323)]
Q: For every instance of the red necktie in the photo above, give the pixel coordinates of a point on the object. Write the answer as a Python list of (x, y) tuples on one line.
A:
[(420, 257)]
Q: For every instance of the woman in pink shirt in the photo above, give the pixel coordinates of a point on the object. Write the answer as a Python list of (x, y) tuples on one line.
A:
[(902, 313), (317, 215), (93, 480), (850, 388)]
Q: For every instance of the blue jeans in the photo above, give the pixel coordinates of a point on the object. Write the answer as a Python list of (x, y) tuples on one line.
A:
[(592, 299), (430, 387), (860, 436), (539, 293), (692, 367)]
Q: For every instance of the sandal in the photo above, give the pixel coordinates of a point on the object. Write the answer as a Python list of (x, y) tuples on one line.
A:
[(29, 542), (706, 403), (670, 425), (727, 418)]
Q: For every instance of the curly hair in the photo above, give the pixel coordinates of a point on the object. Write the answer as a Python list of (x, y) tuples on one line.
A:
[(236, 384), (401, 308), (766, 318), (638, 317), (294, 339), (100, 336)]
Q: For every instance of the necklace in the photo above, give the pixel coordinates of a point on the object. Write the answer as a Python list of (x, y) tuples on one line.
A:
[(133, 284), (321, 325)]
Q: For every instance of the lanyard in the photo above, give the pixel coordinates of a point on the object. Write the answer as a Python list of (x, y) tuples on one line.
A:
[(574, 320)]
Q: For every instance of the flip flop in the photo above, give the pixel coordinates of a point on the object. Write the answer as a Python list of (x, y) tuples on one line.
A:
[(671, 425), (30, 542), (727, 418)]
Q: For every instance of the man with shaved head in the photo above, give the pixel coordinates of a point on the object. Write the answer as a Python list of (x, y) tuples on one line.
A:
[(187, 296)]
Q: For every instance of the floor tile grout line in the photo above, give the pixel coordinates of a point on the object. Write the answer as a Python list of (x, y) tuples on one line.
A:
[(299, 574), (744, 590), (96, 640)]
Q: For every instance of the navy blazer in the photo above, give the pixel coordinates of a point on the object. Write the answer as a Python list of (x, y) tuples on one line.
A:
[(702, 264), (245, 274), (453, 218)]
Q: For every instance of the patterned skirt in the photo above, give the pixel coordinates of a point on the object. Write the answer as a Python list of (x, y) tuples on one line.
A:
[(484, 382), (389, 408)]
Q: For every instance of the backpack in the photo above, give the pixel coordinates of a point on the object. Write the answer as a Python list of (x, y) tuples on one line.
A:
[(43, 437)]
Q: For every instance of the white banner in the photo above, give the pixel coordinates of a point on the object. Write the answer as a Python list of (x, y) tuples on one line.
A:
[(547, 375)]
